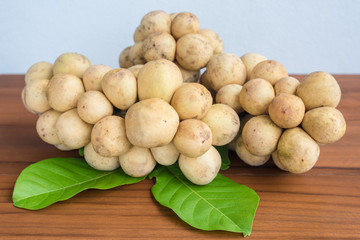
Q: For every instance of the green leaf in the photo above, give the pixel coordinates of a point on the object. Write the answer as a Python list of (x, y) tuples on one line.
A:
[(221, 205), (224, 153), (81, 152), (48, 181)]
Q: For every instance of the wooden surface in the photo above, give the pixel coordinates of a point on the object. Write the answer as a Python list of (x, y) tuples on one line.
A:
[(323, 203)]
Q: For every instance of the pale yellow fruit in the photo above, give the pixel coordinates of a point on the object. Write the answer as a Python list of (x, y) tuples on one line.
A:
[(159, 45), (136, 54), (286, 110), (286, 85), (276, 160), (35, 96), (100, 162), (45, 127), (137, 162), (247, 157), (225, 69), (165, 155), (93, 106), (120, 87), (223, 122), (72, 131), (215, 40), (203, 169), (229, 95), (256, 96), (108, 137), (184, 23), (189, 76), (269, 70), (193, 51), (324, 124), (135, 69), (155, 21), (93, 76), (297, 151), (64, 91), (138, 35), (72, 63), (193, 138), (158, 79), (319, 89), (39, 70), (124, 58), (191, 100), (151, 123), (260, 135), (250, 60)]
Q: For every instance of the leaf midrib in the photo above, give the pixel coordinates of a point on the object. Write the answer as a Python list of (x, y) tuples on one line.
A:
[(204, 199), (69, 186)]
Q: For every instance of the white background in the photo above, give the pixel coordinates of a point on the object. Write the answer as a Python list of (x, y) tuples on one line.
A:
[(304, 36)]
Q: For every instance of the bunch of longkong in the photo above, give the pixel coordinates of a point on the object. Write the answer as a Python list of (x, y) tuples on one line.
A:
[(177, 95)]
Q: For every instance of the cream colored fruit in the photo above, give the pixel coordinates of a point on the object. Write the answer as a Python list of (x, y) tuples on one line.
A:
[(173, 15), (137, 162), (45, 127), (191, 100), (64, 91), (158, 79), (205, 82), (135, 69), (72, 63), (260, 135), (203, 169), (215, 40), (223, 122), (124, 58), (159, 45), (319, 89), (62, 147), (93, 106), (35, 96), (269, 70), (324, 124), (120, 87), (138, 34), (256, 96), (151, 123), (189, 76), (250, 60), (297, 151), (286, 85), (100, 162), (243, 121), (286, 110), (93, 76), (225, 69), (165, 155), (155, 21), (72, 131), (184, 23), (229, 95), (276, 160), (247, 157), (39, 70), (193, 51), (193, 138), (108, 137), (136, 53)]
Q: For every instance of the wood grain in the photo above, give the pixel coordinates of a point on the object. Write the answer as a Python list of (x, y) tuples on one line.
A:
[(323, 203)]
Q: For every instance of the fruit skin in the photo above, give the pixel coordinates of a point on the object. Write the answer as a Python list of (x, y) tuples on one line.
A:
[(93, 76), (93, 106), (151, 123), (297, 151), (39, 70), (99, 162), (286, 110), (184, 23), (260, 135), (45, 127), (193, 51), (223, 122), (137, 162), (193, 138), (229, 95), (203, 169), (286, 85), (247, 157), (165, 155), (159, 45), (324, 124), (250, 60), (158, 79), (215, 40), (72, 63), (319, 89), (269, 70), (34, 96), (256, 96), (224, 69)]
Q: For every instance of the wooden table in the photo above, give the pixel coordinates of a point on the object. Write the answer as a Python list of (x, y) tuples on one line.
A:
[(322, 203)]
